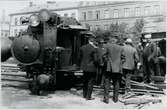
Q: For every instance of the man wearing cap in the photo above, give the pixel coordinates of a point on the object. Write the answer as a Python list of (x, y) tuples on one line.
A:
[(88, 59), (132, 59), (115, 58)]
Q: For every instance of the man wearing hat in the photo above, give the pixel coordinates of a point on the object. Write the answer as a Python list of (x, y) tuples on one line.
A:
[(149, 60), (132, 59), (88, 59), (115, 58)]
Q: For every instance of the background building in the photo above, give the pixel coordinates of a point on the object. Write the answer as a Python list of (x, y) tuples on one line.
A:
[(68, 9), (102, 14), (4, 26)]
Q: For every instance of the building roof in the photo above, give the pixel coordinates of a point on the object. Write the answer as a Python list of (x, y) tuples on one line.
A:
[(53, 7)]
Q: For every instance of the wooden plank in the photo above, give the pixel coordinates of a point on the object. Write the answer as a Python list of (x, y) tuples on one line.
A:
[(14, 73), (141, 101), (148, 91), (142, 84), (9, 66), (138, 91), (11, 79), (158, 78)]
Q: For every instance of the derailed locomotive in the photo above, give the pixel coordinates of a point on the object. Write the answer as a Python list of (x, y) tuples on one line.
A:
[(49, 49)]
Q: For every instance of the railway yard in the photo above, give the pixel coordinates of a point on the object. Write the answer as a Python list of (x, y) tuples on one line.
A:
[(15, 94)]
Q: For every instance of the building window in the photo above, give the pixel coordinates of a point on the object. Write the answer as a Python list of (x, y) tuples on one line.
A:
[(97, 27), (137, 11), (21, 30), (90, 15), (84, 15), (126, 12), (97, 15), (81, 3), (91, 28), (106, 14), (65, 15), (15, 32), (6, 34), (156, 9), (106, 27), (115, 13), (73, 15), (24, 20), (16, 21), (87, 3), (147, 10)]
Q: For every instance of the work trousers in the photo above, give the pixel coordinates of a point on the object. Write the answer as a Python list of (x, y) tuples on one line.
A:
[(116, 78), (127, 74), (151, 68), (100, 76), (88, 82)]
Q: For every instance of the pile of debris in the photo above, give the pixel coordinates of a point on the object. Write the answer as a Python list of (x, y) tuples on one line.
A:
[(139, 101), (144, 94), (141, 93)]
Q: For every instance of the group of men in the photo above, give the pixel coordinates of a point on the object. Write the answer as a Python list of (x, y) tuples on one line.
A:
[(110, 61)]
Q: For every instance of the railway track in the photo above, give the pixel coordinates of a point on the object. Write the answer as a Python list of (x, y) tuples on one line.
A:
[(12, 76)]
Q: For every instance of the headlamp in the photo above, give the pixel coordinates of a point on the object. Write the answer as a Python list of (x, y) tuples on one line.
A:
[(44, 15), (34, 20)]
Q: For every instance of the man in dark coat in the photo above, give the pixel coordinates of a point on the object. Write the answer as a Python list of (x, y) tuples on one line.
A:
[(88, 60), (115, 60), (101, 51), (149, 56), (132, 59), (162, 58)]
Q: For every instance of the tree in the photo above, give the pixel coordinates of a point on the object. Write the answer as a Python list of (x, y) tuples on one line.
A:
[(123, 31), (120, 29), (137, 29)]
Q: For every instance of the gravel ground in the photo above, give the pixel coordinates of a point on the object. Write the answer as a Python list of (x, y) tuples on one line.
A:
[(16, 98), (20, 98), (13, 98)]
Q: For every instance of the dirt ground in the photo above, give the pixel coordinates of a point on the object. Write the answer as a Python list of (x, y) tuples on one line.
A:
[(13, 98), (20, 98)]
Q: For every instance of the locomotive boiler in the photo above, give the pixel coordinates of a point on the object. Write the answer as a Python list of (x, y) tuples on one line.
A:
[(49, 49)]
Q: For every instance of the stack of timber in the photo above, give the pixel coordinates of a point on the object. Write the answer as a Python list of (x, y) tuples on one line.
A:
[(143, 88), (9, 68), (11, 76)]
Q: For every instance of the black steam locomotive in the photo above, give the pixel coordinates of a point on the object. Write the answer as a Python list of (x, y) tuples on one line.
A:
[(49, 49)]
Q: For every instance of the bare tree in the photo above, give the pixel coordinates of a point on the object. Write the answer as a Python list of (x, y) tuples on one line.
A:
[(137, 29)]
